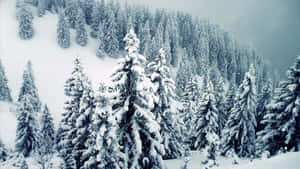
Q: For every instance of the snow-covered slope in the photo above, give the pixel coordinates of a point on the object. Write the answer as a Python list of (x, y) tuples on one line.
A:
[(51, 64), (7, 124), (282, 161)]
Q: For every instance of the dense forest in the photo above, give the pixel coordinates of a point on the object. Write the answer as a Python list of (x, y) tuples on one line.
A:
[(182, 84)]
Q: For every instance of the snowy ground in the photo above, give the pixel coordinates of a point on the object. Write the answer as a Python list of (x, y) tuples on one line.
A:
[(283, 161), (51, 64)]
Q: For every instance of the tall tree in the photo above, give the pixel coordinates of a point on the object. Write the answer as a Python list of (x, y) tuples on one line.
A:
[(111, 43), (83, 124), (282, 119), (29, 88), (63, 31), (138, 132), (4, 89), (100, 51), (206, 124), (81, 34), (46, 140), (25, 17), (74, 88), (165, 94), (239, 131), (27, 132), (71, 10)]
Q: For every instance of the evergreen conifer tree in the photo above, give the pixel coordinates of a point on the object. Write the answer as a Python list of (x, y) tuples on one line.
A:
[(239, 132), (111, 44), (165, 94), (27, 132), (4, 89), (137, 132), (25, 17), (81, 34), (63, 31), (74, 88), (282, 120), (100, 51)]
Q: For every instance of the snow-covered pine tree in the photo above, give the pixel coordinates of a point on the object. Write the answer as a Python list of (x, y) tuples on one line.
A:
[(81, 34), (239, 131), (46, 142), (206, 124), (95, 20), (183, 73), (172, 27), (228, 102), (29, 88), (63, 31), (145, 39), (167, 48), (100, 51), (71, 10), (4, 89), (137, 132), (83, 124), (41, 8), (3, 152), (263, 100), (27, 133), (111, 43), (87, 7), (165, 94), (74, 88), (25, 17), (282, 119), (47, 131)]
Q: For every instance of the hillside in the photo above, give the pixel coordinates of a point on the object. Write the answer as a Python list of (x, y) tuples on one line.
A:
[(51, 64)]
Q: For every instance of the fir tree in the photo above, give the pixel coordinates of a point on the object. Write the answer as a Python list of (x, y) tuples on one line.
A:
[(95, 20), (100, 51), (206, 124), (74, 88), (63, 32), (3, 152), (71, 11), (25, 17), (47, 131), (239, 131), (83, 124), (137, 132), (111, 44), (26, 133), (81, 35), (41, 8), (29, 88), (165, 94), (282, 119), (4, 89), (46, 141), (145, 39), (88, 10)]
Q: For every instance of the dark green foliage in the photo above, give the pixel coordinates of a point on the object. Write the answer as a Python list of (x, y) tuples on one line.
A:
[(4, 89), (25, 17), (63, 31)]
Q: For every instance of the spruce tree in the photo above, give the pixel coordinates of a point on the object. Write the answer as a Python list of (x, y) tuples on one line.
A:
[(145, 39), (165, 94), (206, 124), (46, 142), (88, 10), (282, 119), (29, 88), (4, 89), (25, 17), (111, 44), (74, 88), (137, 132), (239, 132), (27, 132), (100, 51), (95, 20), (71, 11), (63, 31), (81, 34), (3, 152), (47, 131), (83, 124)]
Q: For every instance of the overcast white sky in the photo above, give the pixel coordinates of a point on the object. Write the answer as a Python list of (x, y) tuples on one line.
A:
[(270, 26)]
